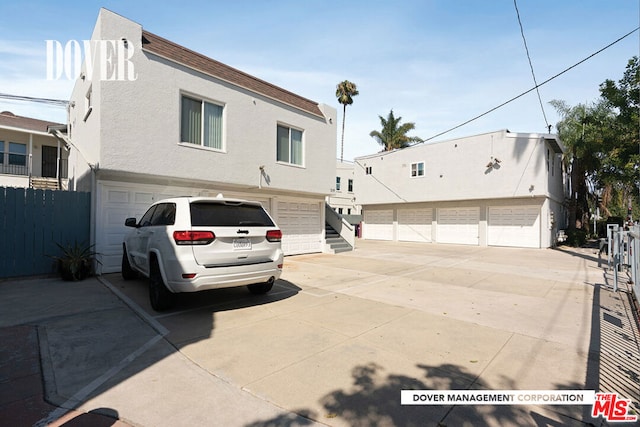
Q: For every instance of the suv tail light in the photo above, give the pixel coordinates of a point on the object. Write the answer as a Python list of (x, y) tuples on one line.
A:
[(193, 237), (274, 235)]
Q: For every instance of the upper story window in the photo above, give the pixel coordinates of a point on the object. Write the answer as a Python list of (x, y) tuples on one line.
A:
[(350, 188), (417, 169), (289, 146), (368, 170), (337, 183), (201, 123)]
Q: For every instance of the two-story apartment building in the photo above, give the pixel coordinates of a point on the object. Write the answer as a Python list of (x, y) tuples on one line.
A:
[(343, 197), (175, 122), (30, 156), (493, 189)]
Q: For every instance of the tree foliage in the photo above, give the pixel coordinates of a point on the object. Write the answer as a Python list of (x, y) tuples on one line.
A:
[(393, 135), (603, 142)]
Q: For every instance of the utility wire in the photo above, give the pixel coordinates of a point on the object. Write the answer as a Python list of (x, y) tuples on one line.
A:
[(533, 88), (526, 48), (56, 102)]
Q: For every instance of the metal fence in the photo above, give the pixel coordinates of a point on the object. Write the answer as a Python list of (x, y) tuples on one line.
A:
[(33, 223), (623, 256)]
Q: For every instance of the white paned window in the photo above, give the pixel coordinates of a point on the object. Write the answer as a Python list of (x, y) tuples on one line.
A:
[(417, 169), (289, 146), (201, 123)]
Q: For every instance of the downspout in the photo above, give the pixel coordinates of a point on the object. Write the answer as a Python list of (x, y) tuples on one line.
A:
[(93, 210), (58, 166), (30, 165)]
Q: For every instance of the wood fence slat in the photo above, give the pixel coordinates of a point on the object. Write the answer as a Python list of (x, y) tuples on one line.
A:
[(33, 221)]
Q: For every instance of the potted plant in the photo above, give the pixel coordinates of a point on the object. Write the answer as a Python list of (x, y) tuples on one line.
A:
[(76, 261)]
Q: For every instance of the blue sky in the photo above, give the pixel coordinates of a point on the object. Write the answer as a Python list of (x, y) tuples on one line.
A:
[(435, 63)]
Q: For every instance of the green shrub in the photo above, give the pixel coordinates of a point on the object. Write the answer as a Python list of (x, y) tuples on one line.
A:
[(576, 237)]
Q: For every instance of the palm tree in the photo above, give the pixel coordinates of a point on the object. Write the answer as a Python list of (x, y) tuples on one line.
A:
[(345, 91), (393, 134)]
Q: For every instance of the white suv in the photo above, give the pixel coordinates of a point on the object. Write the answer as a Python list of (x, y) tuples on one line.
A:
[(190, 244)]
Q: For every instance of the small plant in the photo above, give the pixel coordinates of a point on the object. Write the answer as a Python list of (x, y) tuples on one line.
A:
[(576, 238), (76, 261)]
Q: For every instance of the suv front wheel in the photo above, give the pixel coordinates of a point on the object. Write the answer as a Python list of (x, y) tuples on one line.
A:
[(128, 273), (159, 296)]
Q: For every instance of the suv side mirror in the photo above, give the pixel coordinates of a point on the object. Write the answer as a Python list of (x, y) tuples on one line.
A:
[(130, 222)]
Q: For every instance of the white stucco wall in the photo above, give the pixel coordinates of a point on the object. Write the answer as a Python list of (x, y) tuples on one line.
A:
[(457, 170), (343, 198), (135, 125)]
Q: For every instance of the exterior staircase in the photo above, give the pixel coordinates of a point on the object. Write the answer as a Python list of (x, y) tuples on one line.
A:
[(333, 239), (44, 183)]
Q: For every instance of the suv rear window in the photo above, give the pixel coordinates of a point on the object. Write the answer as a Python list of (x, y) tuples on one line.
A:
[(229, 215)]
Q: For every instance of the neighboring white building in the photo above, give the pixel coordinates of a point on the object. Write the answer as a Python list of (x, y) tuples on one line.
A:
[(343, 198), (494, 189), (189, 125), (30, 156)]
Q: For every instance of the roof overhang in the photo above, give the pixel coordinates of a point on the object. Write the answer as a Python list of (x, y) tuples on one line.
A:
[(23, 130), (555, 143), (59, 132)]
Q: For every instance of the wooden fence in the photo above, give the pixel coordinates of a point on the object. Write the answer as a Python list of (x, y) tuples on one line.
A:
[(33, 223)]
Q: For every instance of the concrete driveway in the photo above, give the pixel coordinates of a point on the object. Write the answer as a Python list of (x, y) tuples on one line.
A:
[(340, 336)]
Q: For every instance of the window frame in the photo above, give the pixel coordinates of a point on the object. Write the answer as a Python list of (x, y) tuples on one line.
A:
[(338, 183), (417, 172), (13, 153), (290, 147), (223, 118), (350, 185)]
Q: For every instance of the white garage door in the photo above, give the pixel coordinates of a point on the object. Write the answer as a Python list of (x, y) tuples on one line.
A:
[(414, 225), (301, 225), (116, 203), (514, 226), (458, 225), (378, 225), (300, 222)]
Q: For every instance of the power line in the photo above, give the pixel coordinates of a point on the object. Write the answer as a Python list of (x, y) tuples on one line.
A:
[(533, 88), (535, 82), (56, 102)]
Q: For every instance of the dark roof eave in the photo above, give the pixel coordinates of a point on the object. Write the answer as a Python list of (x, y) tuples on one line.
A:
[(191, 59)]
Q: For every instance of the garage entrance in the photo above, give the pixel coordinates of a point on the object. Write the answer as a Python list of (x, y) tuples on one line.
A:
[(514, 226), (458, 225)]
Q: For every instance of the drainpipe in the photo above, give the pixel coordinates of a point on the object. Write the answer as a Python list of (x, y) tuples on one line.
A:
[(58, 166), (30, 165), (92, 222)]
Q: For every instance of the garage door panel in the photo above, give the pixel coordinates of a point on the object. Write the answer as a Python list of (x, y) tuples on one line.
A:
[(378, 225), (517, 226), (301, 225), (458, 226), (414, 225)]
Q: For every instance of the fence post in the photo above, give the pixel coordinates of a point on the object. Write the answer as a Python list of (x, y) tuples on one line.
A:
[(616, 258)]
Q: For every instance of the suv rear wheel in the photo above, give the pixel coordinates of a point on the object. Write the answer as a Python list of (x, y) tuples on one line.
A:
[(159, 296), (261, 288)]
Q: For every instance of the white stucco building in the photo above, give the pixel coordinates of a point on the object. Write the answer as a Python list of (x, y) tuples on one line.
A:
[(493, 189), (167, 121), (343, 197)]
